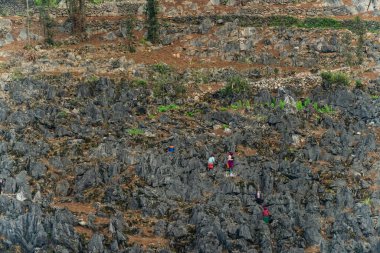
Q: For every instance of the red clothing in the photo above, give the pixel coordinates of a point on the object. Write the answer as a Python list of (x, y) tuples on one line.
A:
[(266, 213)]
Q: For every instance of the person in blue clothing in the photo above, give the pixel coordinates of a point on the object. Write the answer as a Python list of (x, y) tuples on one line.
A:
[(171, 149)]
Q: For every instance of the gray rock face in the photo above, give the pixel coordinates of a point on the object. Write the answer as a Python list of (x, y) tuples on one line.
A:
[(62, 188), (6, 26), (111, 179)]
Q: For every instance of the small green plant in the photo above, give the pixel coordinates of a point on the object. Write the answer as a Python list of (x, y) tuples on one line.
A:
[(281, 104), (241, 104), (315, 106), (358, 84), (135, 131), (62, 115), (374, 97), (299, 106), (165, 108), (225, 126), (323, 109), (151, 116), (307, 102), (367, 201)]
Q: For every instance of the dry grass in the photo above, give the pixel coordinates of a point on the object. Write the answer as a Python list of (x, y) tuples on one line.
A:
[(145, 238), (84, 231), (246, 151), (148, 241), (75, 207), (313, 249), (318, 132)]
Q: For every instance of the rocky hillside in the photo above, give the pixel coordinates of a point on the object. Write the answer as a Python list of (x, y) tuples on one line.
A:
[(291, 87)]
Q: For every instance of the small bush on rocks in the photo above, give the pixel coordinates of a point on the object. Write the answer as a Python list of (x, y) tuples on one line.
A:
[(358, 84), (331, 79), (139, 83), (165, 108), (161, 68), (235, 85), (135, 131)]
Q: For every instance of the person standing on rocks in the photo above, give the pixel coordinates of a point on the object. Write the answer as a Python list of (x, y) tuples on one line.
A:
[(230, 164), (258, 197), (171, 149), (211, 162), (2, 184), (266, 215)]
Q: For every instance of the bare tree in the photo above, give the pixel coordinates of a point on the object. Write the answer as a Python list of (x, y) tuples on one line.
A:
[(27, 21)]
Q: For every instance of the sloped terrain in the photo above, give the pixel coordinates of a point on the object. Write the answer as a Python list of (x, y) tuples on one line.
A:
[(85, 127)]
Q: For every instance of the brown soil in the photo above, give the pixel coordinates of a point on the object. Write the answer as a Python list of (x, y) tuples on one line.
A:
[(84, 231), (246, 151), (76, 207), (313, 249)]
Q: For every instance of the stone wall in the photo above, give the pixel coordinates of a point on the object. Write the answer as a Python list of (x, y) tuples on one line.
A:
[(293, 10), (13, 7)]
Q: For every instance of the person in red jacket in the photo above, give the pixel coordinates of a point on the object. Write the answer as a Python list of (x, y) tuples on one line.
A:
[(266, 214)]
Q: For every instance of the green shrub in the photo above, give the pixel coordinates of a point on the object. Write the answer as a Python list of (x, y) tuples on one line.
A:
[(307, 102), (323, 109), (335, 79), (241, 104), (235, 85), (92, 79), (162, 68), (139, 83), (320, 23), (358, 84), (62, 115), (282, 21), (165, 108), (326, 109)]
